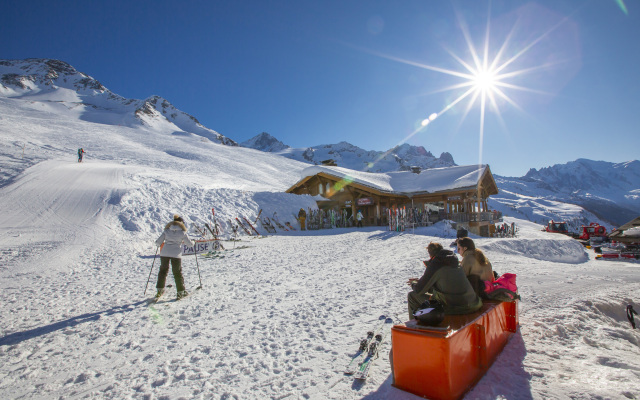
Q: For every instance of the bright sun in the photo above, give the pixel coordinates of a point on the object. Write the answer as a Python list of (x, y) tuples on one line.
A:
[(484, 77), (485, 80)]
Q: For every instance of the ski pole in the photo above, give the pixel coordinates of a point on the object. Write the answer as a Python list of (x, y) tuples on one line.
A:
[(152, 264), (199, 287)]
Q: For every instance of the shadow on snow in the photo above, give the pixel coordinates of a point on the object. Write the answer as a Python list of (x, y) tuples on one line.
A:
[(19, 337)]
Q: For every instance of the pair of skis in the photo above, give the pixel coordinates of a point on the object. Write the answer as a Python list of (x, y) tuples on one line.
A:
[(247, 226), (277, 221), (369, 348), (280, 225), (266, 224)]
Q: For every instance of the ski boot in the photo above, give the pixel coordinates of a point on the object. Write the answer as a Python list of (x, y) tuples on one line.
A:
[(182, 294)]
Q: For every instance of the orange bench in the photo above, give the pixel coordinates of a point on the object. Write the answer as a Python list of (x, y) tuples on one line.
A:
[(445, 361)]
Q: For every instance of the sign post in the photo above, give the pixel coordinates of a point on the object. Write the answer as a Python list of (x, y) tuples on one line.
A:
[(200, 246)]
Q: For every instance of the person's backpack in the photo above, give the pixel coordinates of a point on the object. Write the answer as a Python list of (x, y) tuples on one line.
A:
[(502, 289), (431, 312)]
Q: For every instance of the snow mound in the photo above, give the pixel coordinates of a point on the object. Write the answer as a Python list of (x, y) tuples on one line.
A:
[(554, 250)]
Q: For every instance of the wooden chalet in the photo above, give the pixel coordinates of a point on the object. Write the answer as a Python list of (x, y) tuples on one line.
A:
[(627, 233), (460, 193)]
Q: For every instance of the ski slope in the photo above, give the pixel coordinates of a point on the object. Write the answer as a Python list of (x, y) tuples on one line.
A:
[(278, 317)]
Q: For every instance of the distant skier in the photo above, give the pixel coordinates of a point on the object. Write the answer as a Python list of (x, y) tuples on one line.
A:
[(302, 217), (175, 233), (80, 154)]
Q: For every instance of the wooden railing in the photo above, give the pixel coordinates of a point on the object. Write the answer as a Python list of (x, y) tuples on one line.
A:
[(491, 217)]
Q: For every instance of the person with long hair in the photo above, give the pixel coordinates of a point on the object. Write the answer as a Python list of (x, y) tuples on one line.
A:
[(474, 261)]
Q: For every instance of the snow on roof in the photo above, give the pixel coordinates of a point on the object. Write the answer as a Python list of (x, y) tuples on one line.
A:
[(629, 230), (428, 181), (633, 232)]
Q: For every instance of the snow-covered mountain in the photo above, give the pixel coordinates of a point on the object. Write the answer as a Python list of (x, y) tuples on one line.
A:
[(400, 158), (264, 142), (610, 191), (54, 84)]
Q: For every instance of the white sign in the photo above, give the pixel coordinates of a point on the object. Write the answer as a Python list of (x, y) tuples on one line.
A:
[(200, 246)]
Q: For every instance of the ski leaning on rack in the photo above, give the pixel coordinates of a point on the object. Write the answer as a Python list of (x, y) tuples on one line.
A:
[(251, 226), (363, 350), (374, 347), (280, 225), (244, 228), (215, 222), (266, 224), (275, 219), (200, 231), (258, 217)]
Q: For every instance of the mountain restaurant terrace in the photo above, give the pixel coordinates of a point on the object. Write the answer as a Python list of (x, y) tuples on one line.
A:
[(456, 193)]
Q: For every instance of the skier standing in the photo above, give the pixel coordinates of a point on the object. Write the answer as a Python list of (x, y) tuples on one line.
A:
[(175, 233), (80, 153), (302, 217)]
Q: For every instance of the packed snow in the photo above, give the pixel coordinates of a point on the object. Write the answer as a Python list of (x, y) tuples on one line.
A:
[(278, 316)]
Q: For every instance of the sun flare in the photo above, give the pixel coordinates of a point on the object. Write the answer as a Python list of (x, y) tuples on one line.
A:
[(486, 76), (485, 80)]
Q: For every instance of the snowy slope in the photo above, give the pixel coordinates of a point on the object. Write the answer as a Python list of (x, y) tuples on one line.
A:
[(278, 317)]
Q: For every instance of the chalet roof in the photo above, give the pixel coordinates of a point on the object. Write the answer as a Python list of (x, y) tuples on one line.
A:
[(432, 180), (629, 230)]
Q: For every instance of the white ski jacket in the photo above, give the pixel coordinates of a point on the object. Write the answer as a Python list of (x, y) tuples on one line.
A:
[(173, 236)]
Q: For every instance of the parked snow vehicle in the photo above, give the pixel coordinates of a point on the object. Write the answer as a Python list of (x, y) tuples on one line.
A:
[(613, 254), (592, 230), (593, 235), (618, 251), (558, 227)]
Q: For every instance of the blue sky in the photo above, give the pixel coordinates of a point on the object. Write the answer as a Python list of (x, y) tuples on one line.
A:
[(366, 72)]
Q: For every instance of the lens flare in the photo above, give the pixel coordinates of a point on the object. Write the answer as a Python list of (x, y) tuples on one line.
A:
[(341, 184)]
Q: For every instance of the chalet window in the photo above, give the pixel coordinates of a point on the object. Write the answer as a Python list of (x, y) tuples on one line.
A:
[(320, 188), (328, 187)]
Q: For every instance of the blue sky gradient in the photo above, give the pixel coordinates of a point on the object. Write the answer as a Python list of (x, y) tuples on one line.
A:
[(312, 73)]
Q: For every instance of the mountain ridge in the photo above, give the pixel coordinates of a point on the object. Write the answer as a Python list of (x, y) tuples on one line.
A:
[(345, 154), (609, 190), (55, 81)]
